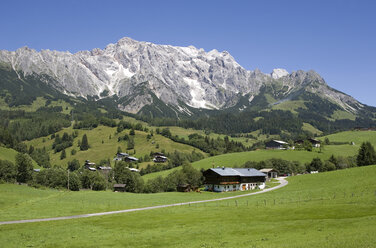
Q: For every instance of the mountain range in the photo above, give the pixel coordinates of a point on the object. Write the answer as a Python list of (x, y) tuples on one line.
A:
[(163, 80)]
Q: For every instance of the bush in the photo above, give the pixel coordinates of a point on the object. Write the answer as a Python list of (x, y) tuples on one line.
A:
[(24, 166), (8, 171)]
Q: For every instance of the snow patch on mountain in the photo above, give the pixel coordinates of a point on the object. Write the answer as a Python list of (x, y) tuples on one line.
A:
[(278, 73)]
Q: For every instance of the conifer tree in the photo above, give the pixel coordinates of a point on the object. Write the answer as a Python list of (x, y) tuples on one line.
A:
[(84, 143)]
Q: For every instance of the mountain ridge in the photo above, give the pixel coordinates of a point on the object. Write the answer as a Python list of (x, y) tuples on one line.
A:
[(137, 72)]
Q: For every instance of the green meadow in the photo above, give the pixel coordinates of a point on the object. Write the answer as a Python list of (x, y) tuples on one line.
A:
[(331, 209), (10, 155), (237, 159), (103, 143)]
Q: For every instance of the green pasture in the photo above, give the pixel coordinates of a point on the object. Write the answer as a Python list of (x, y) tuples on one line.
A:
[(23, 202), (352, 136), (331, 209), (10, 155), (238, 159)]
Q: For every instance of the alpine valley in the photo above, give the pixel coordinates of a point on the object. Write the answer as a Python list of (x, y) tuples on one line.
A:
[(184, 86)]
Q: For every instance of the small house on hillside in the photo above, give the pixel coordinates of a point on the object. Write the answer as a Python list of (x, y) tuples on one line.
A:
[(223, 179), (89, 165), (270, 173), (119, 187), (120, 156), (315, 143), (160, 159), (130, 159), (133, 169), (276, 144)]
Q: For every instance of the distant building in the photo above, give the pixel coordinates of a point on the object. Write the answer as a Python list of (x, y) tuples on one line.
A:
[(89, 165), (133, 169), (130, 159), (270, 173), (160, 159), (120, 156), (119, 187), (315, 143), (184, 188), (276, 144), (233, 179)]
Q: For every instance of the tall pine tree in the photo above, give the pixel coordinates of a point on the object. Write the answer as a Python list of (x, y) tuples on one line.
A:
[(366, 154), (84, 143)]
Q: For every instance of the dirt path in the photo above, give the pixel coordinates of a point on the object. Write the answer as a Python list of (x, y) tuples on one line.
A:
[(282, 181)]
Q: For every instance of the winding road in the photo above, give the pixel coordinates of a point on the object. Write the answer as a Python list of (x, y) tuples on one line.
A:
[(282, 181)]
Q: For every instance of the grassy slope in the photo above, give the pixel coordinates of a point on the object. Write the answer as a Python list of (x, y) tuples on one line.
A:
[(237, 159), (356, 136), (108, 148), (37, 103), (10, 154), (333, 209)]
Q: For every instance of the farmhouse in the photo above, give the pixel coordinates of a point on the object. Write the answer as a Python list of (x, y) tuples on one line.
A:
[(270, 173), (130, 159), (276, 144), (315, 143), (90, 166), (222, 179), (120, 156), (160, 159)]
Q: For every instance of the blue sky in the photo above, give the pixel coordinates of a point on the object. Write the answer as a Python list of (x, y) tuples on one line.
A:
[(335, 38)]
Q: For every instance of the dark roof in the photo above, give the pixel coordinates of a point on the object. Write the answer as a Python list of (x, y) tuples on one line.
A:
[(243, 172), (132, 158), (119, 185)]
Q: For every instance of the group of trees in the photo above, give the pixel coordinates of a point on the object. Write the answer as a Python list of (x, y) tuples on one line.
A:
[(366, 156), (21, 172), (205, 143), (186, 175)]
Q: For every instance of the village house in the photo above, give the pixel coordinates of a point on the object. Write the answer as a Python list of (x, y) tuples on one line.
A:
[(222, 179), (159, 159), (315, 143), (120, 156), (276, 144), (89, 165), (130, 159), (270, 173)]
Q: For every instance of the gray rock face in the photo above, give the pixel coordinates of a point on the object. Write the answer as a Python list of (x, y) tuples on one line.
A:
[(211, 80)]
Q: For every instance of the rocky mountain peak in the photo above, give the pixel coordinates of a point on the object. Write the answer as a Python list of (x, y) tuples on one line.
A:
[(278, 73), (210, 80)]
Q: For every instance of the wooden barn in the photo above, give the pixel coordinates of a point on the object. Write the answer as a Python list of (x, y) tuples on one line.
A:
[(223, 179), (160, 159), (119, 187), (276, 144), (315, 143), (269, 172)]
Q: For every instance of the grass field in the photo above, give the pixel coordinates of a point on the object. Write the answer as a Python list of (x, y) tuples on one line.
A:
[(102, 147), (10, 155), (352, 136), (23, 202), (237, 159), (332, 209)]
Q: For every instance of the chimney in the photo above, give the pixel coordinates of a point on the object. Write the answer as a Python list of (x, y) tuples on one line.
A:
[(223, 168)]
